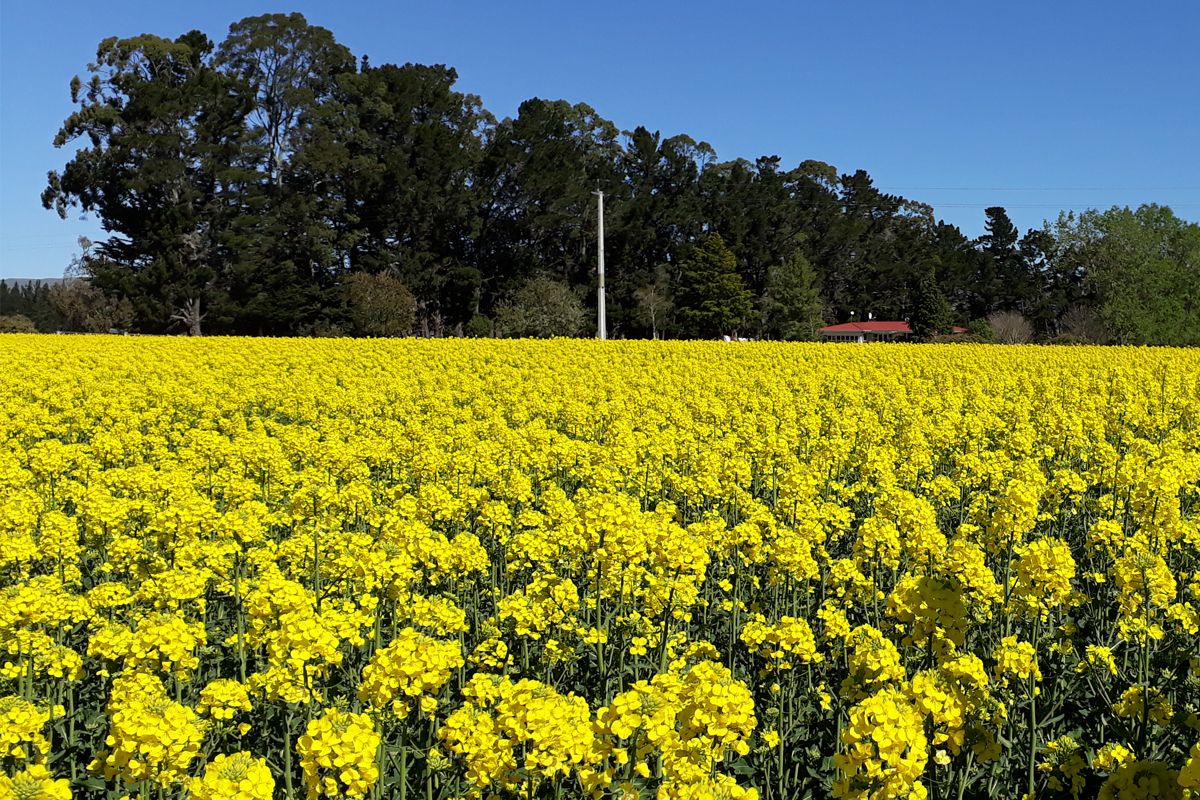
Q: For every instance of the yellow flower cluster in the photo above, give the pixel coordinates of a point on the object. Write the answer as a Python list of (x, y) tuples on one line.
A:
[(1153, 780), (958, 708), (21, 726), (502, 720), (1064, 766), (160, 643), (412, 666), (886, 750), (788, 639), (1144, 703), (34, 783), (337, 754), (1016, 659), (872, 661), (240, 776), (1044, 570), (1190, 776), (152, 738)]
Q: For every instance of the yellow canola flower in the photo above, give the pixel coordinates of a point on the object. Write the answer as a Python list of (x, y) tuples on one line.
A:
[(1153, 780), (1044, 570), (1190, 775), (21, 725), (862, 514), (873, 661), (1016, 659), (337, 755), (1064, 765), (788, 639), (1144, 703), (151, 738), (222, 699), (886, 750), (240, 776), (412, 666), (34, 783), (502, 718)]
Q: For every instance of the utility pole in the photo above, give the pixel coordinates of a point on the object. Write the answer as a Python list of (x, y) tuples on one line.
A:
[(602, 323)]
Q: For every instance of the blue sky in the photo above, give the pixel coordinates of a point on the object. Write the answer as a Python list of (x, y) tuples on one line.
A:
[(1036, 106)]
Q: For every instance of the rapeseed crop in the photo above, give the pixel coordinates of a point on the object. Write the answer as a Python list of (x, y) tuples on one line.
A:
[(566, 569)]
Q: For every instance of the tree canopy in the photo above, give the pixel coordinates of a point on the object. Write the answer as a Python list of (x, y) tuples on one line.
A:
[(245, 183)]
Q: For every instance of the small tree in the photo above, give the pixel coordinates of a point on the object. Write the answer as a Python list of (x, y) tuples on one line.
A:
[(931, 313), (380, 305), (712, 298), (541, 308), (1085, 324), (654, 302), (1010, 328), (792, 307)]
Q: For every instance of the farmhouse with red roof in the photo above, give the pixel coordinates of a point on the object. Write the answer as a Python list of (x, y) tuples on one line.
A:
[(872, 331)]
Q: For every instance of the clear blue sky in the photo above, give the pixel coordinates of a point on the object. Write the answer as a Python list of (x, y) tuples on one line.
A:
[(1036, 106)]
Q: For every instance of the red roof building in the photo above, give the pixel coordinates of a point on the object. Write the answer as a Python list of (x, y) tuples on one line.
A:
[(872, 331)]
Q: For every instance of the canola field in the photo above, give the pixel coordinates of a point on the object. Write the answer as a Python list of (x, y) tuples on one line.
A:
[(571, 569)]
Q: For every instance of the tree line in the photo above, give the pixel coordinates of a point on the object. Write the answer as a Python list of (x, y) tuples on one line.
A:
[(275, 184)]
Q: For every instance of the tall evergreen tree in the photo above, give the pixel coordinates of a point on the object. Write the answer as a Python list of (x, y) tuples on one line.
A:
[(648, 226), (537, 208), (792, 307), (290, 68), (931, 313), (399, 149), (162, 172), (712, 299)]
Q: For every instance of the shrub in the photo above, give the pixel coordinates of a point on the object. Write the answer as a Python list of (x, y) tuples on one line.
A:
[(542, 308), (478, 327), (981, 330), (88, 309), (380, 305), (1010, 328), (1083, 323), (17, 323)]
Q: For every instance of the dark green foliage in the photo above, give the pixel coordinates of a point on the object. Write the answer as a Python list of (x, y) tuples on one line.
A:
[(1144, 267), (931, 313), (981, 330), (478, 327), (87, 309), (167, 133), (31, 301), (792, 308), (712, 299), (380, 305), (542, 308), (289, 67), (243, 183), (537, 211), (1068, 339)]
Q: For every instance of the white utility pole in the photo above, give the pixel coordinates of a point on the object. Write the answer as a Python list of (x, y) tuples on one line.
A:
[(602, 324)]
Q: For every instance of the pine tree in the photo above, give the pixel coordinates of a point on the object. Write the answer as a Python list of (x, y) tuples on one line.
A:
[(932, 314), (712, 299), (792, 307)]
